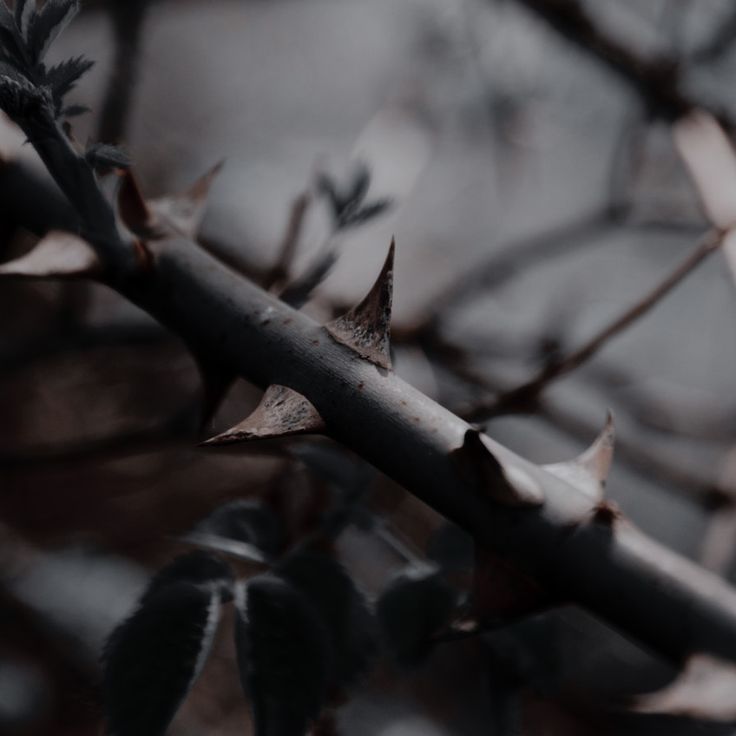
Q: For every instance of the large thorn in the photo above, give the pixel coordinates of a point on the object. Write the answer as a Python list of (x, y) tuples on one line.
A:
[(505, 484), (184, 212), (588, 472), (367, 328), (58, 255), (281, 413)]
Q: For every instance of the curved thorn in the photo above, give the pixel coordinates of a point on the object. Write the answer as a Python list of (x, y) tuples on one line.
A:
[(281, 413), (366, 328), (589, 471)]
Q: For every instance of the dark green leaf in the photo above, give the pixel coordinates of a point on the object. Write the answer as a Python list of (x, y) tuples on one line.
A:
[(152, 659), (283, 656), (62, 77), (47, 24), (341, 606)]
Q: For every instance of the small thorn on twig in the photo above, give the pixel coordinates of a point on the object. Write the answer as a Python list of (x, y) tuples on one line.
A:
[(367, 327), (281, 413), (589, 471)]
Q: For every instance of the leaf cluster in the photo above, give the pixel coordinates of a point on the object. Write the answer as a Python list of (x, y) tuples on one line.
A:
[(25, 37)]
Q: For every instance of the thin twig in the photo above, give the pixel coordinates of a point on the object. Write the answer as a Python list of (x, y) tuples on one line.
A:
[(525, 396), (656, 80), (280, 271)]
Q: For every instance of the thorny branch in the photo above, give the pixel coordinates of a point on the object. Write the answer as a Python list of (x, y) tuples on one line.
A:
[(543, 524)]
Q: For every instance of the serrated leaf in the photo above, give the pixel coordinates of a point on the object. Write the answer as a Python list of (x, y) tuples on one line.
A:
[(24, 10), (20, 99), (46, 25), (341, 606), (283, 656), (13, 49), (152, 659), (103, 155), (416, 605), (63, 77)]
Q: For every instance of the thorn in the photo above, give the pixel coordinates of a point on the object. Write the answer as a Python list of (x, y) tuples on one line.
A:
[(509, 485), (58, 255), (367, 328), (281, 413), (589, 471), (183, 213)]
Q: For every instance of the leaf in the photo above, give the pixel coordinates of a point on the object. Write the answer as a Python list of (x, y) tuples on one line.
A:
[(105, 156), (57, 255), (416, 605), (10, 38), (367, 327), (283, 656), (341, 606), (152, 659), (20, 99), (24, 11), (46, 25), (704, 690), (63, 77)]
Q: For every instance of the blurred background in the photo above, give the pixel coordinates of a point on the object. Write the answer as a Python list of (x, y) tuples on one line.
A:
[(535, 194)]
